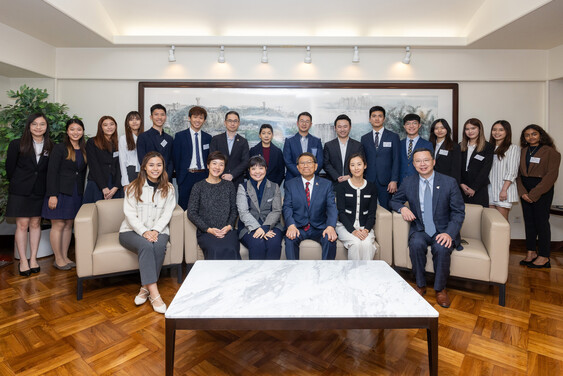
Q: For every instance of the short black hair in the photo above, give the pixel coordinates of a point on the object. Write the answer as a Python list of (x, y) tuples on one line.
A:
[(216, 155), (376, 108), (266, 126), (158, 106), (305, 113), (198, 110), (257, 160), (307, 154), (343, 117), (410, 117), (232, 113), (420, 150)]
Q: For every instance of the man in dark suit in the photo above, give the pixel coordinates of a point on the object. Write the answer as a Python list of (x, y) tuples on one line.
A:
[(309, 210), (271, 153), (234, 146), (436, 214), (155, 139), (337, 152), (302, 142), (381, 147), (411, 123), (191, 148)]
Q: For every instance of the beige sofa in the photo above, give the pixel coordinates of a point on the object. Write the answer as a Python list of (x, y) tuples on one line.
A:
[(483, 258), (98, 251), (309, 250)]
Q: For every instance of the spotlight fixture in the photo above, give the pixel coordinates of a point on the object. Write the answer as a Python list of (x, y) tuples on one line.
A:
[(356, 57), (171, 56), (407, 58), (264, 59), (308, 58), (221, 58)]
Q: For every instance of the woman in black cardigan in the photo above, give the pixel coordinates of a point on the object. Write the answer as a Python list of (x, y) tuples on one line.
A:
[(356, 200), (104, 178), (65, 185), (447, 153), (26, 168)]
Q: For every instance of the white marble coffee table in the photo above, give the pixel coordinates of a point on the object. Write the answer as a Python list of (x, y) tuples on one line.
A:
[(297, 295)]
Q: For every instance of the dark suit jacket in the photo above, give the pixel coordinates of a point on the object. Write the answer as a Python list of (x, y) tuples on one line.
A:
[(332, 162), (63, 173), (25, 174), (152, 140), (292, 151), (477, 175), (448, 208), (448, 162), (320, 214), (237, 162), (276, 165), (407, 167), (102, 164), (183, 149), (383, 163)]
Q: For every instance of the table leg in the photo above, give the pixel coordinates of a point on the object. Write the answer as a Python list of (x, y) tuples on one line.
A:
[(170, 344), (432, 339)]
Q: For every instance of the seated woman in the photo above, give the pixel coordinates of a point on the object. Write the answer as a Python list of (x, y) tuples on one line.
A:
[(356, 200), (148, 206), (213, 210), (259, 206)]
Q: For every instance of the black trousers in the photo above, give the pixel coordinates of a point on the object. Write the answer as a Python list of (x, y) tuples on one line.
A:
[(536, 221)]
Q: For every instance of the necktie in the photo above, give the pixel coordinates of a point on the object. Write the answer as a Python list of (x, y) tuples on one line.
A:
[(409, 152), (376, 140), (427, 216), (197, 158), (308, 194)]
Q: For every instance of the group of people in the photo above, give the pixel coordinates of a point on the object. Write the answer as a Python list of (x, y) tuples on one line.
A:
[(220, 179)]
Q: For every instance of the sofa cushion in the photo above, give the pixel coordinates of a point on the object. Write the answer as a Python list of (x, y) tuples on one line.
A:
[(110, 213), (471, 227)]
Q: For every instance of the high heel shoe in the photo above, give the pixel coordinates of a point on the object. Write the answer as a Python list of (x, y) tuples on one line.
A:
[(547, 265), (527, 263), (25, 273), (158, 308), (34, 270)]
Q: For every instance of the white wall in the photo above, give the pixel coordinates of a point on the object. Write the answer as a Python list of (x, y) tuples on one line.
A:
[(555, 129), (555, 63), (4, 87)]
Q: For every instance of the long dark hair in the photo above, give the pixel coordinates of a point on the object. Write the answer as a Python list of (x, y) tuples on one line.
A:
[(135, 188), (71, 153), (481, 141), (26, 141), (129, 132), (448, 142), (545, 139), (100, 139), (503, 147)]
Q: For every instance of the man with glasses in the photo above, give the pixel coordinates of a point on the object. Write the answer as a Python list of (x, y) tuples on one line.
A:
[(413, 141), (302, 142)]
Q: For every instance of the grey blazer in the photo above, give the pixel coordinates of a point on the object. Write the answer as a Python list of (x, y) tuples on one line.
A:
[(269, 212)]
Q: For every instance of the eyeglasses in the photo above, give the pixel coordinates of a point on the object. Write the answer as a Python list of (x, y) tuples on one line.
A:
[(232, 121), (307, 163), (418, 161)]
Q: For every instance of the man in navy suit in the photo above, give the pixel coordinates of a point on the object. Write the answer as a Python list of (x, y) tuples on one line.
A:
[(191, 148), (155, 139), (302, 142), (381, 147), (271, 153), (411, 123), (436, 214), (234, 146), (309, 210)]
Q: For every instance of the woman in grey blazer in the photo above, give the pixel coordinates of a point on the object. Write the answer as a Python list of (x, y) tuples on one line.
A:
[(259, 206)]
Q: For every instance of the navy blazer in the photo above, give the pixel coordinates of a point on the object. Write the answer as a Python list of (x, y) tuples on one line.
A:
[(64, 173), (332, 162), (276, 165), (383, 163), (407, 167), (25, 174), (183, 149), (152, 140), (237, 162), (448, 208), (320, 214), (292, 151), (448, 162)]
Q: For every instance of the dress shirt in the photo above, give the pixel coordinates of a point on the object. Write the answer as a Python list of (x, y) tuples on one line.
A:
[(230, 142), (414, 141), (127, 158), (193, 162), (470, 149), (380, 135), (38, 146), (436, 148), (343, 147), (311, 184), (304, 144), (422, 189)]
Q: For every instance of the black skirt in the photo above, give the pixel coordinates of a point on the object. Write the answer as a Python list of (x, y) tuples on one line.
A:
[(24, 206)]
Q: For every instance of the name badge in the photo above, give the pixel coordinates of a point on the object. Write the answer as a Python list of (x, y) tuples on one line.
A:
[(205, 147), (443, 152), (535, 160), (115, 154), (479, 157), (387, 144), (163, 143), (348, 195)]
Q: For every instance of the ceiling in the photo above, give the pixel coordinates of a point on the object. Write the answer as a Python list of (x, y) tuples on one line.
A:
[(494, 24)]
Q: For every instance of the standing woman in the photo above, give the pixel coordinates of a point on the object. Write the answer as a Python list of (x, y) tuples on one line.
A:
[(148, 206), (356, 200), (212, 208), (259, 206), (65, 185), (27, 161), (502, 190), (539, 168), (476, 162), (104, 178), (128, 160), (447, 153)]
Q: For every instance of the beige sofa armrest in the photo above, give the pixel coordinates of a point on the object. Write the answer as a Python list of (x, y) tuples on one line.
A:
[(383, 234), (190, 241), (177, 236), (86, 234), (400, 241), (495, 234)]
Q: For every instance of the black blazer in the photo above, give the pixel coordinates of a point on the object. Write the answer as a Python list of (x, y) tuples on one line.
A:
[(448, 162), (477, 175), (237, 161), (276, 164), (103, 163), (346, 204), (25, 174), (63, 173), (333, 159)]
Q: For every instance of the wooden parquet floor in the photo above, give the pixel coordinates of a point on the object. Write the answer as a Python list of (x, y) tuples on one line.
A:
[(44, 330)]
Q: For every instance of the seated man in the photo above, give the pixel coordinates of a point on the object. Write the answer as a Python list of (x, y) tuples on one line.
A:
[(309, 210), (436, 214)]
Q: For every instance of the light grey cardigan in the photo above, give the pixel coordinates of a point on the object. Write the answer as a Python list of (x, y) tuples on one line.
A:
[(269, 211)]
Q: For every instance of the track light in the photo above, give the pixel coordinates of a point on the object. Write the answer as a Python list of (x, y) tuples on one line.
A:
[(171, 56), (308, 58), (221, 58), (407, 58), (264, 59), (356, 57)]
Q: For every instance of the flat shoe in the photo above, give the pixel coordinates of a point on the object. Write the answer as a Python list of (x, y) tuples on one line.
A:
[(547, 265), (526, 263), (420, 290), (442, 298), (142, 296), (35, 270), (65, 267), (72, 264), (158, 308)]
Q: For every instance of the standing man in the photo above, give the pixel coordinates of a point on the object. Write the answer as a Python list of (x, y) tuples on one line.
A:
[(411, 123), (382, 149), (337, 152), (436, 214), (309, 210), (300, 143), (234, 146), (155, 139), (271, 153), (191, 148)]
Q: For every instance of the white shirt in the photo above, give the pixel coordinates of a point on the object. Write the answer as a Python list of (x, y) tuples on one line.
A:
[(311, 184), (304, 144), (343, 147), (470, 149), (127, 158), (414, 141), (438, 146), (38, 146), (193, 162), (422, 189), (380, 134)]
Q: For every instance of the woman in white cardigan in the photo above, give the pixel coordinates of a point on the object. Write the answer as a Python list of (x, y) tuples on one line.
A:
[(506, 159), (148, 206)]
